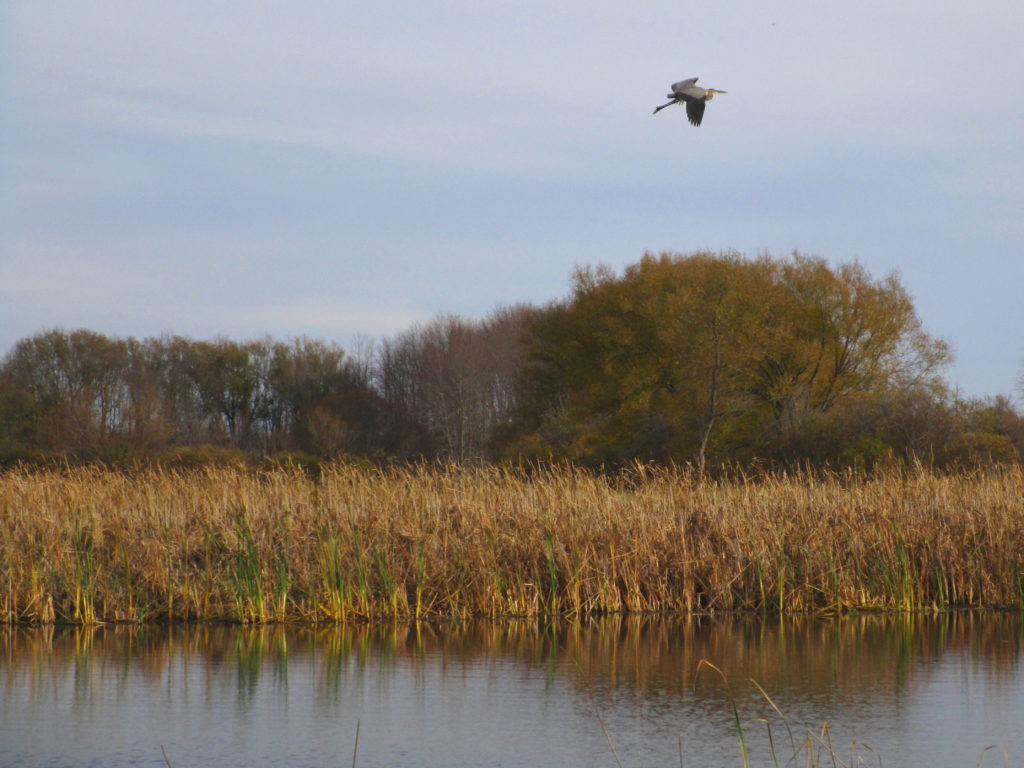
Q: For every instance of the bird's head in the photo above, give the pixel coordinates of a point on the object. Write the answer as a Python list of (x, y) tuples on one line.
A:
[(711, 93)]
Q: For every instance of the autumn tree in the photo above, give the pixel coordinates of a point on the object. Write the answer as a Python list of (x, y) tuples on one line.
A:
[(990, 431), (830, 333), (83, 394), (17, 423), (301, 373), (683, 357), (75, 381)]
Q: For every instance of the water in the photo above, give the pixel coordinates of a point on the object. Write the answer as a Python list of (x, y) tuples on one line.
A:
[(896, 691)]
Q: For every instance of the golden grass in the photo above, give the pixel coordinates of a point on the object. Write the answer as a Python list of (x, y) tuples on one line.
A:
[(89, 545)]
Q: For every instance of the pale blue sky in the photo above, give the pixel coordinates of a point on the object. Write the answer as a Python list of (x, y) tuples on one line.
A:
[(344, 169)]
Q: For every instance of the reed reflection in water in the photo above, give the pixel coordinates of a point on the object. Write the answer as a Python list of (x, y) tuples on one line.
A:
[(915, 689)]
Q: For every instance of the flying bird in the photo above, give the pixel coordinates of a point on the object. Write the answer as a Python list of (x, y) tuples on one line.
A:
[(695, 97)]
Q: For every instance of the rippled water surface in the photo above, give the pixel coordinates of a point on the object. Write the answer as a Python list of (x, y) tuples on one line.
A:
[(903, 691)]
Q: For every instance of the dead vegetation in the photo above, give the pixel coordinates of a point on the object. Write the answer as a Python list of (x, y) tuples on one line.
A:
[(87, 545)]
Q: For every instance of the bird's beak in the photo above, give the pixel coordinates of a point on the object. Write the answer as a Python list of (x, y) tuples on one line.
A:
[(716, 90)]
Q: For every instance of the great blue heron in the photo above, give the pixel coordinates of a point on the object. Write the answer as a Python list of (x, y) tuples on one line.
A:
[(694, 96)]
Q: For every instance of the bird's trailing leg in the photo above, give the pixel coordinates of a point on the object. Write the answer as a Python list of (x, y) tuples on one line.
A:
[(658, 109)]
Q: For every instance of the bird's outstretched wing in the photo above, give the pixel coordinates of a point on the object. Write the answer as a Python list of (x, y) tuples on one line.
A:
[(683, 85), (695, 111)]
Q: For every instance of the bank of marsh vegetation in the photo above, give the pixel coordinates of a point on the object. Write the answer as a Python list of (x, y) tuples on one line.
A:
[(89, 544)]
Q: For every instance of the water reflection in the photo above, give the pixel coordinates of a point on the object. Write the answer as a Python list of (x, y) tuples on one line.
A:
[(919, 690)]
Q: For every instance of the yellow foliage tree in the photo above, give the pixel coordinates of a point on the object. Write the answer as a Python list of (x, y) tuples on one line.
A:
[(685, 356)]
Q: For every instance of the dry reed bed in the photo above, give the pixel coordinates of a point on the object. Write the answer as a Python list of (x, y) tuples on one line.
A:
[(88, 545)]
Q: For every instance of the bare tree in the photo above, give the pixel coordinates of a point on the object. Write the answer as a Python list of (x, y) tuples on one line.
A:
[(457, 377)]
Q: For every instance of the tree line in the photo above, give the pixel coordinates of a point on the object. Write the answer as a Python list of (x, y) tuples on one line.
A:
[(704, 358)]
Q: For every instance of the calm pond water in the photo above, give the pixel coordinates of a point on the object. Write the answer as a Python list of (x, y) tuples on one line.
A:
[(896, 691)]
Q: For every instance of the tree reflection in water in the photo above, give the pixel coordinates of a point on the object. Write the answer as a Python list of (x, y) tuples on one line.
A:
[(916, 688)]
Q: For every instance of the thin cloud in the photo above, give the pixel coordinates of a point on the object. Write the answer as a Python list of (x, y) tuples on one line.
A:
[(359, 165)]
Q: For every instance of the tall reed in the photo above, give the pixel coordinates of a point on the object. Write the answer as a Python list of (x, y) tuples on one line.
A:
[(87, 545)]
